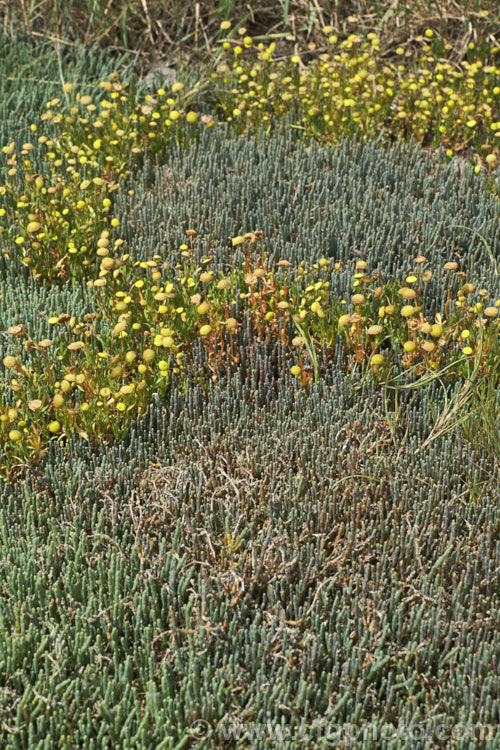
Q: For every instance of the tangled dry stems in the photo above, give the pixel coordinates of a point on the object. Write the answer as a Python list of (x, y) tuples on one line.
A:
[(179, 30)]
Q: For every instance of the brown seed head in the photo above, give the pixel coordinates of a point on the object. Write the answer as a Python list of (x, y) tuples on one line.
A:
[(428, 346), (358, 299), (19, 330)]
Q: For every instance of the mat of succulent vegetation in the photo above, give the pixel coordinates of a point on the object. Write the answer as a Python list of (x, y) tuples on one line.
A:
[(249, 407)]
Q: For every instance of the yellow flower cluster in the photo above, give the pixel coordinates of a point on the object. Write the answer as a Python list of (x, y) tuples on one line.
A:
[(348, 89), (52, 218), (93, 375)]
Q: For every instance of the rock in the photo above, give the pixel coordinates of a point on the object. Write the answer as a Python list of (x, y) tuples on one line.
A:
[(159, 73)]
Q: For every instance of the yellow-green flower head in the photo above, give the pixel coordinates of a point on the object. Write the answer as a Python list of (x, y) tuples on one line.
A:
[(407, 293), (407, 311)]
